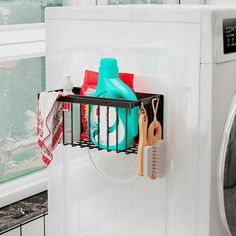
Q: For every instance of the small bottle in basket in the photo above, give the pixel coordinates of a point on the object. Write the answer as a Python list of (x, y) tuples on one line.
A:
[(67, 88)]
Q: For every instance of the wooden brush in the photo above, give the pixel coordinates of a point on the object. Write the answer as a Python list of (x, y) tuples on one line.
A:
[(143, 124), (154, 155)]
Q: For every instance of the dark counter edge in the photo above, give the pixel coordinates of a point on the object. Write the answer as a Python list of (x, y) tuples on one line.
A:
[(22, 212)]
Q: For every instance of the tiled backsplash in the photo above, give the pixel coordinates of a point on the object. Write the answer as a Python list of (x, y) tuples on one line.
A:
[(27, 217), (34, 227)]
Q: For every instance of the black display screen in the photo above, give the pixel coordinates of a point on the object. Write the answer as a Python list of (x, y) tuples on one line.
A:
[(229, 32)]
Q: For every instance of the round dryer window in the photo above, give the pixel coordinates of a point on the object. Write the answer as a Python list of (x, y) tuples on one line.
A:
[(230, 179)]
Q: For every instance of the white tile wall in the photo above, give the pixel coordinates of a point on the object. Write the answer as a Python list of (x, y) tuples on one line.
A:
[(46, 225), (107, 227), (106, 204), (14, 232), (90, 232), (34, 228), (88, 212)]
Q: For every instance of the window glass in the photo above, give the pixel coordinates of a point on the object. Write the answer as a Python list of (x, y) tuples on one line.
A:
[(230, 180), (21, 80), (116, 2), (24, 11)]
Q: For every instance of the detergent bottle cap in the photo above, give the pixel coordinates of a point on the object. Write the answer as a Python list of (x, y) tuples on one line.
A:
[(108, 68)]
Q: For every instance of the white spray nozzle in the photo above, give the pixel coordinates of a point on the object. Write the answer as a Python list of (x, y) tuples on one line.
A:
[(67, 83)]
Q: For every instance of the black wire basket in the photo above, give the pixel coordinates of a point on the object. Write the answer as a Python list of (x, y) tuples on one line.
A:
[(76, 101)]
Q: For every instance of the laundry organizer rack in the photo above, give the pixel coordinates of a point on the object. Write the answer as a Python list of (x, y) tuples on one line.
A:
[(78, 100)]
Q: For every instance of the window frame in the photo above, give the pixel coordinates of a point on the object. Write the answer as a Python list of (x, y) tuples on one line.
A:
[(104, 2), (20, 42), (23, 187)]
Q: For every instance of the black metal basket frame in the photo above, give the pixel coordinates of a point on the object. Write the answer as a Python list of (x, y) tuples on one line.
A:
[(142, 98)]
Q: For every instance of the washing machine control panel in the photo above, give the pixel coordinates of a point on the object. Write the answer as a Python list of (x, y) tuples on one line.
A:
[(229, 34)]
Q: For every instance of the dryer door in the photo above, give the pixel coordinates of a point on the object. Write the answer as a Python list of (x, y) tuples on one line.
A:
[(227, 175)]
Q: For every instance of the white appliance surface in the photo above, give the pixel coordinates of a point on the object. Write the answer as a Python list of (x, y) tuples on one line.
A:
[(174, 51)]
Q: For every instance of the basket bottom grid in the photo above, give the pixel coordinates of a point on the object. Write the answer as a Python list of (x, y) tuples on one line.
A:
[(86, 143)]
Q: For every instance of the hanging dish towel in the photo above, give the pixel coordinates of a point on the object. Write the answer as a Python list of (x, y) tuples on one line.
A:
[(50, 123)]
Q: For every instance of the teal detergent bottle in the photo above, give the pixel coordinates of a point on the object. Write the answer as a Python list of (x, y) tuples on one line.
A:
[(111, 86)]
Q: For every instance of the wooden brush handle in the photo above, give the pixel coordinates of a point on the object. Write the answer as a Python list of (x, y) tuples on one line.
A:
[(154, 132), (143, 123)]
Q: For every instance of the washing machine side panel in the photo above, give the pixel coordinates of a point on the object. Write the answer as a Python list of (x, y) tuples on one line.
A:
[(204, 152), (223, 90)]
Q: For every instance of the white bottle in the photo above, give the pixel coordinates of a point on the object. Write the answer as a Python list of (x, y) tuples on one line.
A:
[(67, 86)]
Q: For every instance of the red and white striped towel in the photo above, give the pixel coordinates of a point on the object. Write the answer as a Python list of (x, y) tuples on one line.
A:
[(50, 123)]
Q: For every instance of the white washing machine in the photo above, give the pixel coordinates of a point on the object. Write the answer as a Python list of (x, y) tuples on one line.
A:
[(187, 54)]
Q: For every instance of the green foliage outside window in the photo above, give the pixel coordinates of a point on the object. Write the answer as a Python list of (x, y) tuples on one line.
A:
[(24, 11), (21, 80)]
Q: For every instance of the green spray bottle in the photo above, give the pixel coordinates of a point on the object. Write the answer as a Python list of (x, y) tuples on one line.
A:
[(111, 86)]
